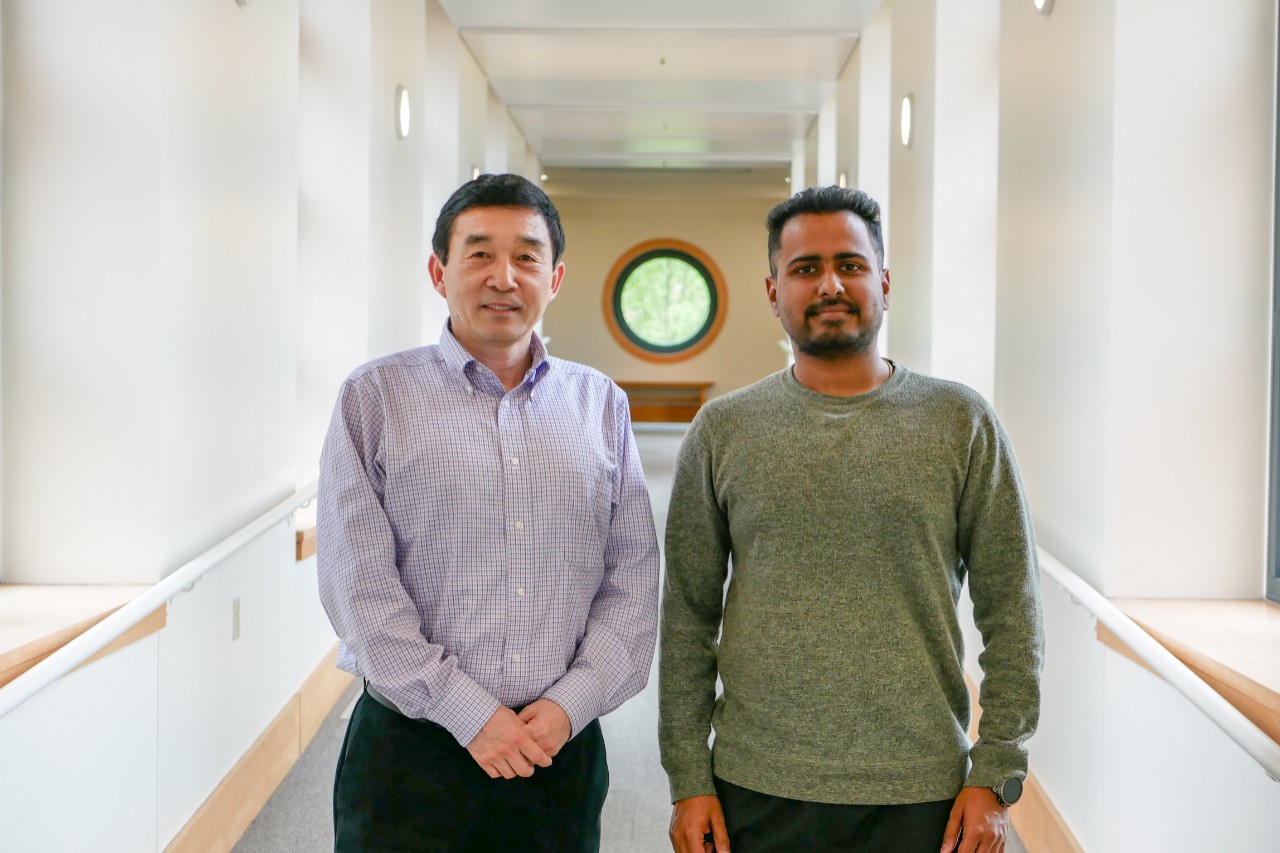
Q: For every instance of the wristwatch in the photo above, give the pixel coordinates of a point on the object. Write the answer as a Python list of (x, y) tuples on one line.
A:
[(1009, 791)]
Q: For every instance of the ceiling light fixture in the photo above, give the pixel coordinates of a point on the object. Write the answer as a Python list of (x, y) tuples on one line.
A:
[(402, 112), (1044, 7), (907, 129), (843, 180), (542, 177), (475, 172)]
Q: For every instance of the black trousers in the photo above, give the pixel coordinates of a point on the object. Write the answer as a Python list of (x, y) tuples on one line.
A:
[(407, 785), (761, 823)]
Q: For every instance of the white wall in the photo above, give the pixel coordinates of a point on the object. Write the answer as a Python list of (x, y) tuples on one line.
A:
[(1191, 292), (826, 129), (911, 176), (875, 125), (134, 743), (612, 218), (335, 133), (811, 154), (1054, 267), (148, 339), (497, 137), (1133, 264), (473, 116), (397, 251), (1091, 190), (966, 127), (80, 760), (848, 111), (441, 126)]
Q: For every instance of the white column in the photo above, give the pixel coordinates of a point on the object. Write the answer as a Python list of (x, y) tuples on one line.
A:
[(397, 172), (797, 165), (334, 138), (826, 142), (966, 123)]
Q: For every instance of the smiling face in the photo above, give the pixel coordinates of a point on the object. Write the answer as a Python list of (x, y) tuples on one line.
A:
[(829, 290), (499, 278)]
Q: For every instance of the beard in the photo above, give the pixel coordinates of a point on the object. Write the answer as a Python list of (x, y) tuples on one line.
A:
[(832, 342)]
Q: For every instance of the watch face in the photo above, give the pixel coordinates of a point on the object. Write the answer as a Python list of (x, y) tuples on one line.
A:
[(1011, 790)]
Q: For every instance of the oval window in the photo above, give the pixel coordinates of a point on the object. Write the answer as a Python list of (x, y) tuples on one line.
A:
[(665, 300)]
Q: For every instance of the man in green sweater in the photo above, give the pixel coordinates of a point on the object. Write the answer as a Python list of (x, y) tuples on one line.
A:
[(854, 497)]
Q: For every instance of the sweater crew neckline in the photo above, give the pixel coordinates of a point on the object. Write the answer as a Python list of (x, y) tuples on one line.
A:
[(895, 380)]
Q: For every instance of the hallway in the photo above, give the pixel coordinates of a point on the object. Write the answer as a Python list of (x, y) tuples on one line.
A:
[(298, 817)]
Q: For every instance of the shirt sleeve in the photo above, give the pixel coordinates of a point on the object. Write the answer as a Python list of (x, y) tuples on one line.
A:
[(997, 544), (360, 584), (698, 549), (616, 651)]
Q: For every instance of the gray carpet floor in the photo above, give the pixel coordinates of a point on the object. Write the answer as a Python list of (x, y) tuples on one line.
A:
[(299, 818)]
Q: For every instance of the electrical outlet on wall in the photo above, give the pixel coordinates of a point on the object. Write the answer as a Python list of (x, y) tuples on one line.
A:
[(235, 618)]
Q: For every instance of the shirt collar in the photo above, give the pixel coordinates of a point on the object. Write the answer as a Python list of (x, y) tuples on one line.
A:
[(459, 359)]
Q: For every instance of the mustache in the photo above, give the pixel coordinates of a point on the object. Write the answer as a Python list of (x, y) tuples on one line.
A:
[(818, 307)]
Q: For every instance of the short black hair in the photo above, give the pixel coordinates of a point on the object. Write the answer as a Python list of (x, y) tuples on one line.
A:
[(824, 200), (497, 191)]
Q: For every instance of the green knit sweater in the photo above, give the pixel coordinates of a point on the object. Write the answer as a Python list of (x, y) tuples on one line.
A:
[(852, 523)]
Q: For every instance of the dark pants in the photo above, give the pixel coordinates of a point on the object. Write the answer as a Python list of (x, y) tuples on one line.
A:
[(407, 785), (760, 823)]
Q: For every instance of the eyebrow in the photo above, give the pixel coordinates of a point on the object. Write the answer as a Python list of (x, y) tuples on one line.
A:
[(840, 256), (526, 240)]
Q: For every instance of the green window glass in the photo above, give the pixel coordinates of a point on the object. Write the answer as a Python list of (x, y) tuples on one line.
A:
[(665, 301)]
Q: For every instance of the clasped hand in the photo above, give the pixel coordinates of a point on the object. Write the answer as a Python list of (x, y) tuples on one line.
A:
[(511, 744)]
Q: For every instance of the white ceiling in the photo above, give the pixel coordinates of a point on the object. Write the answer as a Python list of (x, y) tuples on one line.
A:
[(692, 84)]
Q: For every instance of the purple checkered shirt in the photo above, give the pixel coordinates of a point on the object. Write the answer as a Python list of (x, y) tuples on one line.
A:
[(478, 547)]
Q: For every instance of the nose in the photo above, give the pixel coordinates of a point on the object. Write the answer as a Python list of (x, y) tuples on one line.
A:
[(504, 276), (830, 286)]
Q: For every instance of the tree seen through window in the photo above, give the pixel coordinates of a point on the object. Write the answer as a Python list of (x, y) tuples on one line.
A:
[(666, 301)]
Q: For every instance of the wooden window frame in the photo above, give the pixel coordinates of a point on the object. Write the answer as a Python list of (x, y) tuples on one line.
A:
[(613, 284)]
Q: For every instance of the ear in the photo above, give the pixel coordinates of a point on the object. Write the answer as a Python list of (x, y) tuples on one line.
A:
[(436, 270), (771, 287), (884, 286), (555, 279)]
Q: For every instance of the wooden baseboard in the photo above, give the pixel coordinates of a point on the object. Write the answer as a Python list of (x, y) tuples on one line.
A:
[(1038, 822), (218, 824)]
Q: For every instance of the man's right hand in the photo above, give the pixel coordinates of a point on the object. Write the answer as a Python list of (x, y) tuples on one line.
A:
[(504, 748), (695, 818)]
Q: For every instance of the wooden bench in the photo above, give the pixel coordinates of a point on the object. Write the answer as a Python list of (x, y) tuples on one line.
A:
[(670, 402)]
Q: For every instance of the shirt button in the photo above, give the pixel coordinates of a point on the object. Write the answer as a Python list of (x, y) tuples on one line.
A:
[(519, 590), (506, 403), (516, 658), (515, 461), (519, 525), (471, 389)]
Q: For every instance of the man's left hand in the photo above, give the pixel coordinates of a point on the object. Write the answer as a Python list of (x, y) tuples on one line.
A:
[(978, 822), (548, 725)]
